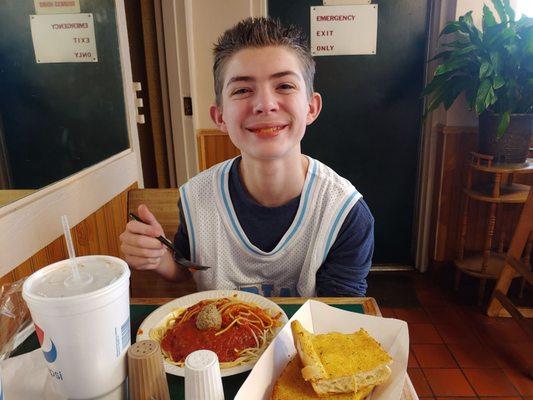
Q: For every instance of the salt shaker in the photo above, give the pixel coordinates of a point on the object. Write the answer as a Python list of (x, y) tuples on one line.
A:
[(202, 376)]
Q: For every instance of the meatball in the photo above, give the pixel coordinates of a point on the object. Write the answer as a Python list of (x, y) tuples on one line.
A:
[(209, 318)]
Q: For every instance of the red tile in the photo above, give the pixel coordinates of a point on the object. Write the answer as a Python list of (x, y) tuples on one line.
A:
[(431, 298), (474, 314), (445, 315), (448, 382), (419, 382), (433, 356), (412, 362), (457, 398), (490, 382), (513, 355), (501, 398), (387, 312), (456, 333), (424, 333), (412, 315), (521, 382), (501, 330), (473, 355)]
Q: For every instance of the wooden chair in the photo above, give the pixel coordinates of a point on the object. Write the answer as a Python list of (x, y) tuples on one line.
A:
[(515, 268), (163, 203)]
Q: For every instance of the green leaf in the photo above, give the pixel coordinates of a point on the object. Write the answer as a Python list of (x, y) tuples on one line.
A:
[(435, 83), (451, 27), (442, 54), (509, 10), (488, 18), (468, 18), (529, 44), (451, 65), (457, 44), (495, 59), (484, 95), (506, 34), (504, 124), (465, 50), (454, 87), (500, 9), (497, 82), (485, 70)]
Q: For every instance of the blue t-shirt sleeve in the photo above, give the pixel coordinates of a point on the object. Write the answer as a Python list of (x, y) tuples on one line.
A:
[(181, 238), (349, 260)]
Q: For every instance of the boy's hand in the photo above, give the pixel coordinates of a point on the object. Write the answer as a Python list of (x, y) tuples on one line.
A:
[(139, 244)]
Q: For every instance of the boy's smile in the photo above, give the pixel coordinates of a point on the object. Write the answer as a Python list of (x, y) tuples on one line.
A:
[(265, 107)]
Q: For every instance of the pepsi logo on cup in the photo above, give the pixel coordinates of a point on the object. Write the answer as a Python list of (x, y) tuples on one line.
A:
[(51, 354)]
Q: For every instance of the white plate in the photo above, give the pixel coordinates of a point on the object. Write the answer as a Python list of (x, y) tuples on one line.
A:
[(157, 317)]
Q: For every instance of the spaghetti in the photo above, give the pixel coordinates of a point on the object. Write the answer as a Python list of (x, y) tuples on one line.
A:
[(245, 332)]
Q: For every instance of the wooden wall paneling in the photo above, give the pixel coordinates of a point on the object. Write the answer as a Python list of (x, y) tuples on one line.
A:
[(7, 278), (454, 146), (23, 270), (112, 213), (57, 250), (214, 147), (102, 231)]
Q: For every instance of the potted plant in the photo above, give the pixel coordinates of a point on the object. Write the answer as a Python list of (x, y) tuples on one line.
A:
[(493, 67)]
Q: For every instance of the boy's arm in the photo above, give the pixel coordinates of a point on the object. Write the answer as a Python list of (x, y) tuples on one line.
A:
[(349, 260)]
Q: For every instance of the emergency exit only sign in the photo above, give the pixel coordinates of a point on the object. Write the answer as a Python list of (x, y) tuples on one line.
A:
[(344, 30)]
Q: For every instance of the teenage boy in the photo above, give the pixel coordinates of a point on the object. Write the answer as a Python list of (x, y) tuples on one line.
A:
[(272, 221)]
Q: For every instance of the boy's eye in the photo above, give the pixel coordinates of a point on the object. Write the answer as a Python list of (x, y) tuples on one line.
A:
[(286, 86), (240, 91)]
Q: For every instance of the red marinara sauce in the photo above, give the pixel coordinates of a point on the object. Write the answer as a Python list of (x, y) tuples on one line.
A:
[(183, 339)]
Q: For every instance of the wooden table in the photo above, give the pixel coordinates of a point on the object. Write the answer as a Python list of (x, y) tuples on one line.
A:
[(368, 304)]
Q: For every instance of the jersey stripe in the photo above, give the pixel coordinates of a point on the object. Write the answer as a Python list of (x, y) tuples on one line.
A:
[(188, 221), (341, 215)]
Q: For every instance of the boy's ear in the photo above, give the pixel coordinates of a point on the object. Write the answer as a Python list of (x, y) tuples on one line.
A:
[(315, 106), (216, 116)]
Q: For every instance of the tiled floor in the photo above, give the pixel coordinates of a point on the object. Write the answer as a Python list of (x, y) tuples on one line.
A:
[(457, 351)]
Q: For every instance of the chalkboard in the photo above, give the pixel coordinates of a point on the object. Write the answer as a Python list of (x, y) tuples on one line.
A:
[(370, 125), (58, 118)]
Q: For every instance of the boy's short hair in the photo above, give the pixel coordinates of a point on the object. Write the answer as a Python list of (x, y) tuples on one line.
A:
[(257, 33)]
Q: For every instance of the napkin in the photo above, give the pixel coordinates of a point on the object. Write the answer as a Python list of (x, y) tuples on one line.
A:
[(26, 377)]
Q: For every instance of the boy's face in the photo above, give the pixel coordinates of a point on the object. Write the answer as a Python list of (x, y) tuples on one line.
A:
[(265, 107)]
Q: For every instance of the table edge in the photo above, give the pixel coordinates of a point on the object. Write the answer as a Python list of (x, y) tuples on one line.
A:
[(370, 306)]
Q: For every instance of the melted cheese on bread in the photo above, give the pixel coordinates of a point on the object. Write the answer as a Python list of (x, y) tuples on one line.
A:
[(340, 363)]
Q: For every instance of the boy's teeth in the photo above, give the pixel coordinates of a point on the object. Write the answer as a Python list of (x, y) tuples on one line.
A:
[(268, 130)]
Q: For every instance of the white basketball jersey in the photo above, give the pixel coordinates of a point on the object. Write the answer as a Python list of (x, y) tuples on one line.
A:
[(217, 239)]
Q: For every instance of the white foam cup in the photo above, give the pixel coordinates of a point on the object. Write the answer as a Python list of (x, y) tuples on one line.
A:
[(84, 332)]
